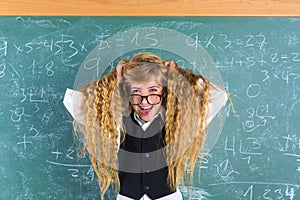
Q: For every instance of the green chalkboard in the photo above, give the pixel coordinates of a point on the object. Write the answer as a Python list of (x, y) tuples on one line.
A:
[(257, 155)]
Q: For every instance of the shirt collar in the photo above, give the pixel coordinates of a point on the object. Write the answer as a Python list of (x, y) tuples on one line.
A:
[(144, 124)]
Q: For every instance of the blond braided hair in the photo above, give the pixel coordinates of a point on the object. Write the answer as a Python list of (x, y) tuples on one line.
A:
[(185, 125)]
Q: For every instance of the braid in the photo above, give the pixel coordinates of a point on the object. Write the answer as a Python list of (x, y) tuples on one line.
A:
[(186, 127), (100, 131)]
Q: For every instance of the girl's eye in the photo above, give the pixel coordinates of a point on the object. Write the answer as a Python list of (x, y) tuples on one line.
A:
[(153, 90), (134, 91)]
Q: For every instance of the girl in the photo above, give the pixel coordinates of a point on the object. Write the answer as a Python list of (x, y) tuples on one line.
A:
[(143, 125)]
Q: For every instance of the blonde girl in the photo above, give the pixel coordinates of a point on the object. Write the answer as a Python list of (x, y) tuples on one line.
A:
[(144, 125)]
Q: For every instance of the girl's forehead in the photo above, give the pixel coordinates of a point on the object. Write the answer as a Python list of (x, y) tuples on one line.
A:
[(148, 84)]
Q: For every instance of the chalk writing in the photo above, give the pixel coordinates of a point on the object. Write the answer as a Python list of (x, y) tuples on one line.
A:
[(225, 170), (288, 191), (195, 193), (25, 142), (18, 114), (3, 46), (71, 166), (222, 41), (257, 156)]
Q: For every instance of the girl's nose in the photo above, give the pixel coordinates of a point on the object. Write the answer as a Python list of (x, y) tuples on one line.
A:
[(144, 100)]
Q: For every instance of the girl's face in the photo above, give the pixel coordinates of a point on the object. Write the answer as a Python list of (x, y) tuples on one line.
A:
[(145, 110)]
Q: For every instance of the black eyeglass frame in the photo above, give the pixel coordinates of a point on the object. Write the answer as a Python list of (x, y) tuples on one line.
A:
[(146, 97)]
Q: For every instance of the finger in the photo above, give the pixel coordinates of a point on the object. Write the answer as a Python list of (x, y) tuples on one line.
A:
[(119, 71), (167, 63), (172, 64)]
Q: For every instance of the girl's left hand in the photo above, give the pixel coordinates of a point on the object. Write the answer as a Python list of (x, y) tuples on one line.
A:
[(170, 63), (119, 71)]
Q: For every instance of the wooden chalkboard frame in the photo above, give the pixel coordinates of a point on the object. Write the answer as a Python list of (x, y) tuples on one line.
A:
[(151, 8)]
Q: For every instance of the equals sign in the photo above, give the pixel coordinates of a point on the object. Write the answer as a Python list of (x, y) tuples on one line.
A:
[(284, 57)]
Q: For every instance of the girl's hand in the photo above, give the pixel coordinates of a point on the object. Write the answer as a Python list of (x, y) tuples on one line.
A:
[(119, 71), (170, 63)]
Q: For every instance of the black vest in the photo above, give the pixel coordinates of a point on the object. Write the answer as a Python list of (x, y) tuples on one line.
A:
[(142, 161)]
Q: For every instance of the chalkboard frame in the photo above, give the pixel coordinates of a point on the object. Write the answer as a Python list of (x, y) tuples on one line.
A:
[(152, 8)]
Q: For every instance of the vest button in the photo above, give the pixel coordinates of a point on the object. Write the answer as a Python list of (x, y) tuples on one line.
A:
[(147, 155), (147, 171), (147, 187)]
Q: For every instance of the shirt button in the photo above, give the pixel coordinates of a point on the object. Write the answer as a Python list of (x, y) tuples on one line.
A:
[(147, 171), (147, 155), (147, 187)]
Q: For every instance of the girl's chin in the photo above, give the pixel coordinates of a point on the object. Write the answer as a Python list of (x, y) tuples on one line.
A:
[(145, 118)]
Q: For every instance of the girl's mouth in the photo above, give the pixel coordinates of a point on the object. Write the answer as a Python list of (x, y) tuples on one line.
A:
[(145, 110)]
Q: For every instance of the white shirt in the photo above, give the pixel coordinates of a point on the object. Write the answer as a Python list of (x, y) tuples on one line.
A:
[(73, 99), (174, 196)]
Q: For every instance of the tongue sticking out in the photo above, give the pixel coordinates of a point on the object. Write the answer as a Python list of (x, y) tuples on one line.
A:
[(145, 111)]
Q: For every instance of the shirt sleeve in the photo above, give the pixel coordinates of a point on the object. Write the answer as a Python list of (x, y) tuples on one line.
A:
[(218, 99), (73, 103)]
